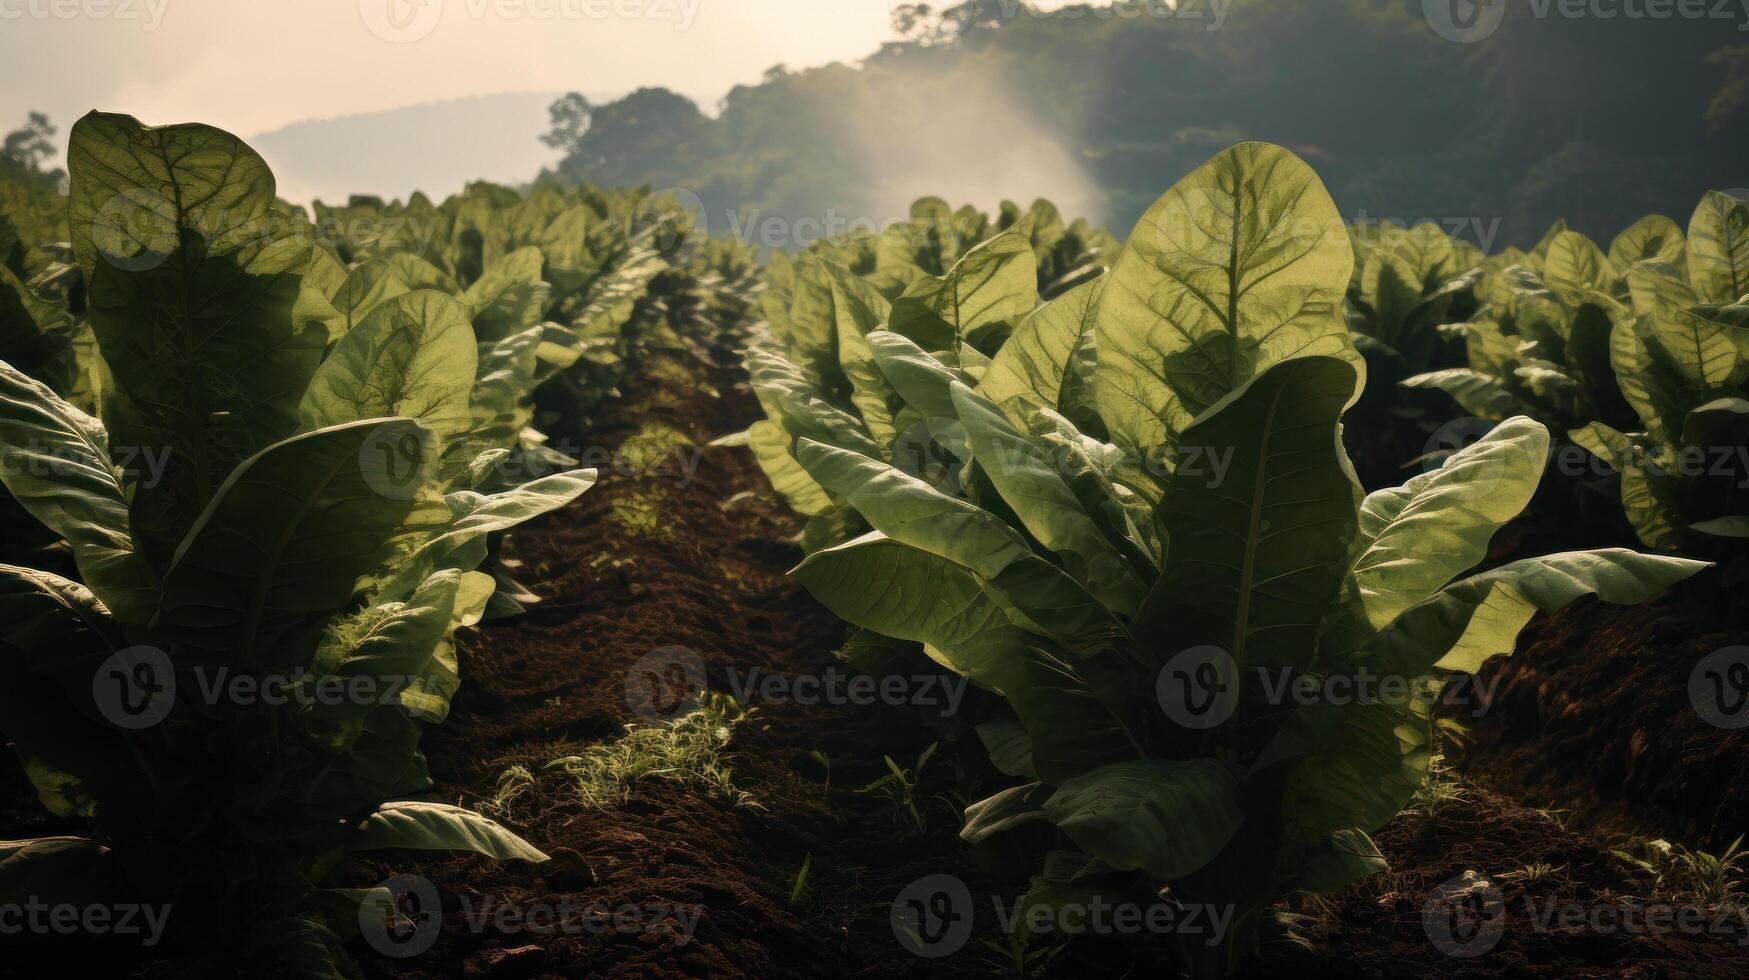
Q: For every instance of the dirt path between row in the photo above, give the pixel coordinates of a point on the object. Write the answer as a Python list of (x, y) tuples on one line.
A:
[(650, 574)]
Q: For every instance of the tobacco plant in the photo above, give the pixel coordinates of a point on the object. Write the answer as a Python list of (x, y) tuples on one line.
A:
[(1141, 605), (264, 619)]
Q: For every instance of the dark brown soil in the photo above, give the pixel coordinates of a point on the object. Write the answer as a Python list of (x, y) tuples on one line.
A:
[(1392, 924), (709, 578), (1594, 715)]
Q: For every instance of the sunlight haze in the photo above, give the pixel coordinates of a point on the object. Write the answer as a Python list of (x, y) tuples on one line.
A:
[(258, 66)]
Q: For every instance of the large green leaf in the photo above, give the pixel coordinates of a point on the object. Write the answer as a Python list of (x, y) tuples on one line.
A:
[(1026, 474), (1167, 818), (1241, 265), (388, 649), (191, 282), (1037, 361), (440, 827), (913, 513), (796, 402), (1701, 343), (1479, 394), (509, 297), (1081, 712), (902, 592), (1391, 286), (1481, 616), (1360, 766), (1419, 536), (1718, 248), (55, 461), (1576, 270), (1650, 381), (1255, 553), (1653, 238), (1644, 495), (414, 356), (989, 290), (771, 445), (920, 379), (858, 310), (366, 286), (502, 388), (290, 534), (457, 539)]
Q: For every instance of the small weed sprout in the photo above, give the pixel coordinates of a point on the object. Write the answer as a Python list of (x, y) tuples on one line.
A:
[(687, 750), (899, 787)]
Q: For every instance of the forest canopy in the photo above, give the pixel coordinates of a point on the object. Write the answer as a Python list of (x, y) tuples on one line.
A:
[(1102, 106)]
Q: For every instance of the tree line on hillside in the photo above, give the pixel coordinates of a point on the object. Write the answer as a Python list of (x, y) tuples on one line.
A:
[(1598, 120)]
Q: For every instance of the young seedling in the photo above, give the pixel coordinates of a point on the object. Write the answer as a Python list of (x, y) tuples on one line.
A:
[(899, 786)]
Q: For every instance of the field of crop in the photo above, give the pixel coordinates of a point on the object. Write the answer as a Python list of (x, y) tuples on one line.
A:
[(531, 584)]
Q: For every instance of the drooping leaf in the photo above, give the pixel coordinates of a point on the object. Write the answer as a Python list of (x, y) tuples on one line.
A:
[(1167, 818), (440, 827), (1481, 616), (1420, 536), (1025, 473), (903, 592), (55, 461), (288, 537), (913, 513)]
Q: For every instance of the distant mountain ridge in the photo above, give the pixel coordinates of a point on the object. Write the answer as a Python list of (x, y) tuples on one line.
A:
[(435, 147)]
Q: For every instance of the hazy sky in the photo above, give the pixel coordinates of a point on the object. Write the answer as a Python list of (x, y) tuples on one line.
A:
[(256, 65)]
